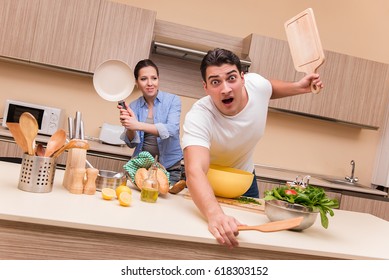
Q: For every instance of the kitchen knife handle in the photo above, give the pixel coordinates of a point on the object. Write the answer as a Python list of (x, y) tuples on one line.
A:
[(82, 136), (78, 125), (70, 127)]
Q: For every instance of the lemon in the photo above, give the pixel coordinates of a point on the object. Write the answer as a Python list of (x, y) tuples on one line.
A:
[(108, 193), (122, 188), (125, 198)]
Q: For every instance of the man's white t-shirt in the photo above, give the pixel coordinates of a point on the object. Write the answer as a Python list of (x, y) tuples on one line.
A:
[(230, 139)]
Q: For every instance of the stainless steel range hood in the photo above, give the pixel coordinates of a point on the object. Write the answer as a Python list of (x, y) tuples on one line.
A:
[(179, 50)]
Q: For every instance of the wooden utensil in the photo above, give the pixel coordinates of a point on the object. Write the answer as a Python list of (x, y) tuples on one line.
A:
[(40, 151), (56, 141), (29, 128), (74, 143), (274, 226), (18, 135), (90, 185), (236, 203), (304, 43)]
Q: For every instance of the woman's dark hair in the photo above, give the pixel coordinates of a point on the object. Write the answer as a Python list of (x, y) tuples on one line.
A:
[(144, 63), (218, 57)]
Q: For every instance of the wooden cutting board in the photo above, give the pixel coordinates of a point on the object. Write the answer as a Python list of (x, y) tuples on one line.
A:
[(304, 43), (235, 203)]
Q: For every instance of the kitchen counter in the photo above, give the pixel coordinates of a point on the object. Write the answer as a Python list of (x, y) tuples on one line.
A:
[(61, 225), (95, 145), (278, 174), (267, 172)]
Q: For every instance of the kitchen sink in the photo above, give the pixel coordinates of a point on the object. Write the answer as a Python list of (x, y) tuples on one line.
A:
[(342, 182)]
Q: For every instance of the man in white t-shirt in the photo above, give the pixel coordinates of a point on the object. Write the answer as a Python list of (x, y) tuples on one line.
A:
[(224, 127)]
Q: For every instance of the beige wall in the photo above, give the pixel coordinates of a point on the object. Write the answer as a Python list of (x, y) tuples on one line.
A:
[(351, 27)]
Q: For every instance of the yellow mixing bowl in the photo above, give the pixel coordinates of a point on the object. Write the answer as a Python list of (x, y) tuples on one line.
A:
[(229, 182)]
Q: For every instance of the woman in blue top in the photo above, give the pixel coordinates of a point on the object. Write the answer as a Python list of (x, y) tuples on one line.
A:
[(152, 121)]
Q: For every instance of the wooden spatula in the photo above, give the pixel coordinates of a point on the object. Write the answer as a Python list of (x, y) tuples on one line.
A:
[(275, 226), (56, 141), (18, 135), (29, 127)]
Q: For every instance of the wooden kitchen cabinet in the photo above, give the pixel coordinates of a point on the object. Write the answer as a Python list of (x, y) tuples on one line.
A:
[(65, 33), (100, 161), (110, 163), (264, 185), (355, 89), (379, 208), (123, 32), (75, 35), (17, 22), (9, 149), (181, 75), (270, 58)]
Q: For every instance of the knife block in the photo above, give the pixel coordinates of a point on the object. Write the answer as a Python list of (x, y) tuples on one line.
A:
[(75, 161)]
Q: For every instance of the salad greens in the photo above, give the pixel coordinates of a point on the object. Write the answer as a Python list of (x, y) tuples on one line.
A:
[(247, 200), (314, 198)]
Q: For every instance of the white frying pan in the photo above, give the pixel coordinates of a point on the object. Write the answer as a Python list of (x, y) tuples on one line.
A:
[(113, 80)]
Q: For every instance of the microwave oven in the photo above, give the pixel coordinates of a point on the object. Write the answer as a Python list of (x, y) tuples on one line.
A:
[(49, 118)]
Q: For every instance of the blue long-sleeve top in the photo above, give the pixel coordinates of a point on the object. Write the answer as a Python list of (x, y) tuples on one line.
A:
[(166, 113)]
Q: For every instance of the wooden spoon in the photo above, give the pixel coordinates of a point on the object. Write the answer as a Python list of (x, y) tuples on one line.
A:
[(29, 127), (74, 143), (18, 135), (40, 151), (57, 140), (275, 226)]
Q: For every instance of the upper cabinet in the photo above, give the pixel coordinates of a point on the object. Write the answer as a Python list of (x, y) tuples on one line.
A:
[(123, 32), (64, 33), (356, 90), (17, 24), (79, 35), (73, 34), (181, 75), (270, 58)]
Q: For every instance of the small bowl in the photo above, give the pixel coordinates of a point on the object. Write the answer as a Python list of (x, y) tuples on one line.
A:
[(277, 210), (110, 179), (229, 182)]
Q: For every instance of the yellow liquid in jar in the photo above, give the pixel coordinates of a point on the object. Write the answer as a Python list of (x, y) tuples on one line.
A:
[(149, 194)]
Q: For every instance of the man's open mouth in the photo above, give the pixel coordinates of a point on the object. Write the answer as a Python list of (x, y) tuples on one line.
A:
[(228, 101)]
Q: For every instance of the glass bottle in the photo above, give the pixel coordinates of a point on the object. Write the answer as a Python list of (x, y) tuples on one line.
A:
[(149, 192)]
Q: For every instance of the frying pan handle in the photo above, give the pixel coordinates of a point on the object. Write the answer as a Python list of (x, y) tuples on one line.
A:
[(315, 88)]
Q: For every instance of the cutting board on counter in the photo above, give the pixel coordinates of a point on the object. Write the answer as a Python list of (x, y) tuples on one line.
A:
[(236, 203)]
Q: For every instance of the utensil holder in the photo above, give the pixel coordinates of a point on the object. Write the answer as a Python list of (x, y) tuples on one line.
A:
[(37, 174)]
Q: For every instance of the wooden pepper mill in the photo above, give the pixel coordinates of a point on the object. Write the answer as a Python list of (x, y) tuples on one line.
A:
[(90, 185), (77, 184)]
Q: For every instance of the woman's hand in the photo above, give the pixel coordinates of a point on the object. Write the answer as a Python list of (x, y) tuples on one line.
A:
[(128, 118)]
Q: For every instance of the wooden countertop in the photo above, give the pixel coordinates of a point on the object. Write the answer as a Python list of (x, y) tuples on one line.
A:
[(350, 235)]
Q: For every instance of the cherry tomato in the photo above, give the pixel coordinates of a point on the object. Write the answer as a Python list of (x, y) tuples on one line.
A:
[(290, 192)]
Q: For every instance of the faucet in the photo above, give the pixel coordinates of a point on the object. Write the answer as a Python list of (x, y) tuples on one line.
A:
[(352, 179)]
